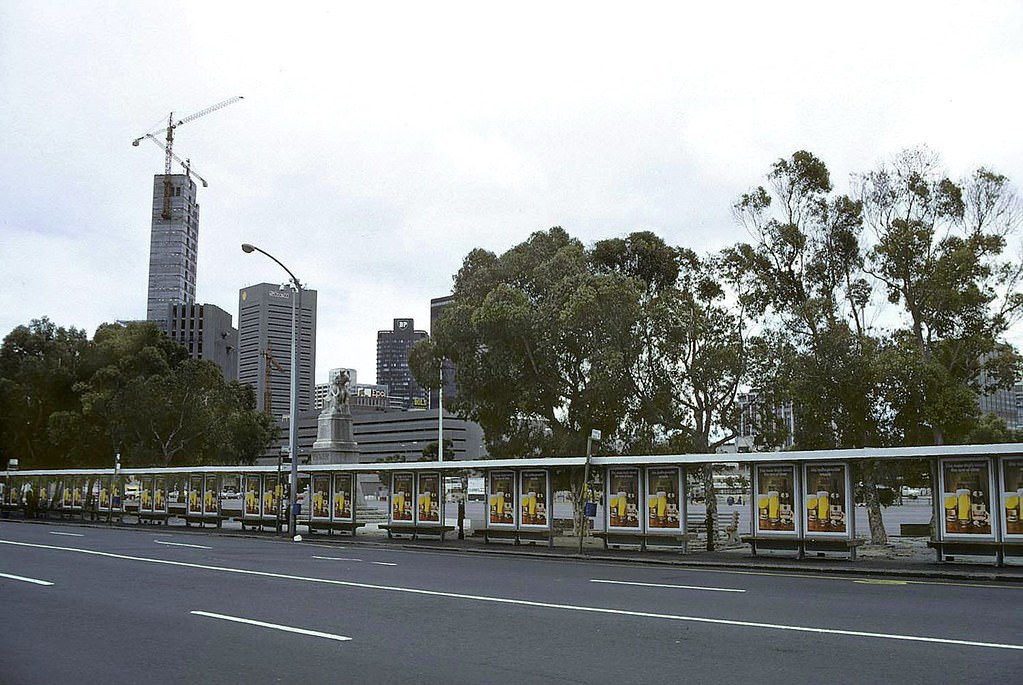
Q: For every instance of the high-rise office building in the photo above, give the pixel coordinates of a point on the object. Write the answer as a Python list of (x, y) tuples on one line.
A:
[(392, 363), (173, 246), (264, 346), (206, 330)]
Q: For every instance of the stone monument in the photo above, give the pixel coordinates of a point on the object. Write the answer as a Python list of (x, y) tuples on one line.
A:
[(334, 442)]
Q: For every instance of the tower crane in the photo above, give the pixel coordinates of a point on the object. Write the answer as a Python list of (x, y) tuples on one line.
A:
[(268, 361), (168, 147)]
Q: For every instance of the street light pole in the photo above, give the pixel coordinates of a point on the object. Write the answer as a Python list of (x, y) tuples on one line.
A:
[(594, 435), (296, 309)]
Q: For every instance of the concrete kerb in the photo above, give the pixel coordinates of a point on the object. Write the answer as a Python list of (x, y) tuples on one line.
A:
[(722, 560)]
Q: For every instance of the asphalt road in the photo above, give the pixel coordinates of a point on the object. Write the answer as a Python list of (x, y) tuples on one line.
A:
[(170, 607)]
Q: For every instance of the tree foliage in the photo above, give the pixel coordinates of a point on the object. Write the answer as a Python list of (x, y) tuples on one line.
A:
[(69, 401)]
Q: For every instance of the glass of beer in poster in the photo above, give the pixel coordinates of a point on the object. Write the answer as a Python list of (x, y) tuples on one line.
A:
[(533, 498), (776, 497), (401, 497), (429, 494), (502, 498), (269, 509), (321, 496), (159, 493), (966, 497), (1012, 496), (623, 496), (662, 498), (824, 488)]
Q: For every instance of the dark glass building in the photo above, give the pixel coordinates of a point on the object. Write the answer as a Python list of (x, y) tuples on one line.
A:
[(392, 363)]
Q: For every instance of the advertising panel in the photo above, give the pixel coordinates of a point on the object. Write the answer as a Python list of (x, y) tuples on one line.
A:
[(272, 495), (344, 498), (534, 499), (160, 495), (826, 500), (251, 499), (65, 496), (501, 499), (1012, 498), (195, 494), (12, 496), (78, 486), (623, 498), (146, 495), (116, 494), (320, 486), (402, 497), (210, 495), (663, 494), (429, 499), (776, 498), (966, 498)]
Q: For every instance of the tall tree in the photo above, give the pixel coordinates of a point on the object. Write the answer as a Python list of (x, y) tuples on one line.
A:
[(543, 343), (939, 253)]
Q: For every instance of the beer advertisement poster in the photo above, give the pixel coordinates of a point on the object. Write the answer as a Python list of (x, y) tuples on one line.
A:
[(77, 486), (825, 499), (776, 498), (160, 495), (195, 495), (1012, 498), (146, 495), (344, 496), (664, 511), (251, 502), (115, 493), (966, 498), (210, 495), (501, 499), (623, 499), (320, 487), (534, 500), (271, 495), (429, 499), (104, 495), (401, 497)]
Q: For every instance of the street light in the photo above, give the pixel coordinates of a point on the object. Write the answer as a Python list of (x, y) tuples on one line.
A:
[(296, 307), (594, 435)]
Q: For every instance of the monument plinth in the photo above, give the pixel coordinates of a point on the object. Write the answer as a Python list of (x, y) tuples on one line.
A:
[(335, 443)]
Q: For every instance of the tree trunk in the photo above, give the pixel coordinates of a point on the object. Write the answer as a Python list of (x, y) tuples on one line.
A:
[(878, 536), (711, 499)]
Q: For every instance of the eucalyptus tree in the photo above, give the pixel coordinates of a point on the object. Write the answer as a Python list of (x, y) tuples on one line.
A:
[(939, 253)]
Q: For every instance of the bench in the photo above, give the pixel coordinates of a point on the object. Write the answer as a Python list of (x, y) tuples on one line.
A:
[(802, 545), (518, 536), (616, 538), (415, 530), (331, 526), (946, 549)]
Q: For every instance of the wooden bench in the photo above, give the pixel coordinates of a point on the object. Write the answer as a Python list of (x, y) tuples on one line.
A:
[(802, 545), (518, 536), (946, 549), (415, 530), (614, 539)]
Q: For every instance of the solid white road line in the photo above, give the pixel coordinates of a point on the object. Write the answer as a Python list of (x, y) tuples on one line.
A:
[(24, 579), (72, 535), (261, 624), (674, 587), (180, 544), (383, 563), (529, 603)]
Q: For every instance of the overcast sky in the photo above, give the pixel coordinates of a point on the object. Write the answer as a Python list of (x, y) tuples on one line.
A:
[(378, 143)]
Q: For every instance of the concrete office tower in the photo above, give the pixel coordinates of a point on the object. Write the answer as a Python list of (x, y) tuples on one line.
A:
[(173, 247), (392, 363), (206, 330), (264, 345)]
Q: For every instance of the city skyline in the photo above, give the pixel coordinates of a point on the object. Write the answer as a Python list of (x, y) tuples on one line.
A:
[(377, 146)]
